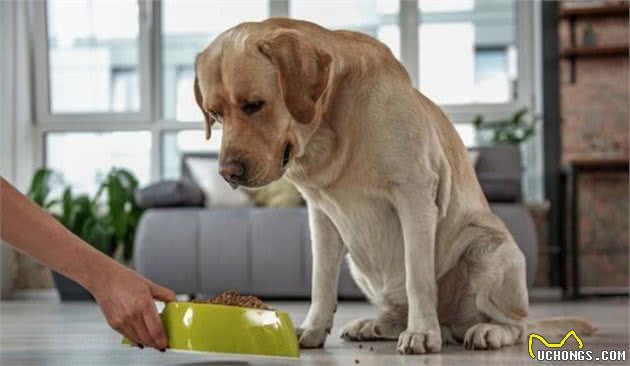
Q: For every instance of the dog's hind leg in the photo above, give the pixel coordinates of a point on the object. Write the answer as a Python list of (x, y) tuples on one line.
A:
[(491, 336), (496, 276)]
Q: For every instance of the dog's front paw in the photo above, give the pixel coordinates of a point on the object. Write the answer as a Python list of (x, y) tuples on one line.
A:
[(312, 337), (413, 342)]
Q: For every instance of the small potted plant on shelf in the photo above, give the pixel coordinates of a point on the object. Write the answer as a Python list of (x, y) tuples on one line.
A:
[(506, 135), (511, 131), (589, 37), (107, 221)]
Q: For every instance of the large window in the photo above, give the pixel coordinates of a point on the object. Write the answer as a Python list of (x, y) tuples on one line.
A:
[(467, 51), (93, 56), (115, 77), (84, 158), (378, 18)]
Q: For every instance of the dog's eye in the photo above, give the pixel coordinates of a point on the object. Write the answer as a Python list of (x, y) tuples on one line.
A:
[(250, 108)]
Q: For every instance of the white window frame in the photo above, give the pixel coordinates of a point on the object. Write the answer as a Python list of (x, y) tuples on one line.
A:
[(410, 19), (151, 118), (44, 114)]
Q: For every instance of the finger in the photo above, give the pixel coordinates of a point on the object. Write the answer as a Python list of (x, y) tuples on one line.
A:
[(162, 293), (142, 331), (129, 333), (155, 327)]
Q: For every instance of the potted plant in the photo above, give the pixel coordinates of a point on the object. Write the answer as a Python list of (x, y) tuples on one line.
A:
[(511, 131), (107, 221), (506, 136)]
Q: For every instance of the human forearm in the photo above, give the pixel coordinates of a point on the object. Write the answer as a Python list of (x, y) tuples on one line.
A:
[(32, 231), (125, 297)]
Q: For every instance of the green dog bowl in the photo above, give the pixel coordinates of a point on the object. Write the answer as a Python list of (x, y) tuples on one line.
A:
[(228, 329)]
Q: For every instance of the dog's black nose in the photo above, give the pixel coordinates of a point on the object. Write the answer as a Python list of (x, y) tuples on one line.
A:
[(233, 172)]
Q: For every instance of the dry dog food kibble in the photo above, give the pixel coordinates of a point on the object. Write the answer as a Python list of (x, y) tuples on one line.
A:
[(233, 298)]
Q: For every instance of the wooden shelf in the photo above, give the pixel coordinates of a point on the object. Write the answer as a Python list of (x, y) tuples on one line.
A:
[(595, 51), (601, 163), (619, 9), (596, 11)]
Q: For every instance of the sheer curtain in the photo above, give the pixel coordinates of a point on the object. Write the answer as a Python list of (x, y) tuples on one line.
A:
[(18, 156)]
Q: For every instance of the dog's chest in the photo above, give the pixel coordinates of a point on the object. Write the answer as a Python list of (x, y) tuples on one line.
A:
[(372, 234)]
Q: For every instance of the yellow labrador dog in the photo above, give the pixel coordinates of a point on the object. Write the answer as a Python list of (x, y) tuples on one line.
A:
[(386, 178)]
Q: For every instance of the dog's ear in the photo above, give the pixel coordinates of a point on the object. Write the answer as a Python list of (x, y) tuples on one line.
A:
[(303, 71), (206, 115), (199, 99)]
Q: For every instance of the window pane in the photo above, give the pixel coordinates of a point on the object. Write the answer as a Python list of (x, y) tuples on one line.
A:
[(467, 51), (176, 144), (188, 26), (378, 18), (435, 6), (93, 56), (84, 158)]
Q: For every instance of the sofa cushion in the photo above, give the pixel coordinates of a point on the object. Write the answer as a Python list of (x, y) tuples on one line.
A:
[(264, 252), (280, 193), (205, 173), (169, 193), (166, 248)]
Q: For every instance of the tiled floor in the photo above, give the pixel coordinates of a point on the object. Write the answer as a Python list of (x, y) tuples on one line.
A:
[(49, 333)]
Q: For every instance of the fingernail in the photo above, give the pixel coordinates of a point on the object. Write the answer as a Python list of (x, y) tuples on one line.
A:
[(162, 350), (140, 346)]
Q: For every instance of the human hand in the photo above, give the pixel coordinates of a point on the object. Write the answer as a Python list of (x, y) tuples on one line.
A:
[(127, 302), (126, 298)]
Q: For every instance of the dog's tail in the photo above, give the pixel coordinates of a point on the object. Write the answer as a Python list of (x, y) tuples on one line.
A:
[(558, 327)]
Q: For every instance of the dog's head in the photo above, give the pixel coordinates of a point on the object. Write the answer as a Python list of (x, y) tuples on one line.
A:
[(265, 86)]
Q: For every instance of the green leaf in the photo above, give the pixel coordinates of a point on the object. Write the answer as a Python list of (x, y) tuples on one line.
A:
[(51, 204), (477, 121), (117, 199), (513, 130), (96, 233), (516, 118), (131, 182), (40, 186), (128, 245), (97, 196), (66, 207), (83, 211)]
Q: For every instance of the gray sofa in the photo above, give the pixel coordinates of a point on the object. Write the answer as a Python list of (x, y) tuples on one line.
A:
[(266, 251)]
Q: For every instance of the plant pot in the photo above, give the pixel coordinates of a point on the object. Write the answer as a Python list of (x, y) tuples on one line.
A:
[(70, 290), (9, 270)]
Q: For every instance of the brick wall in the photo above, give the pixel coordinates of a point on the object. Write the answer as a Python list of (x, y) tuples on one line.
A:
[(594, 113)]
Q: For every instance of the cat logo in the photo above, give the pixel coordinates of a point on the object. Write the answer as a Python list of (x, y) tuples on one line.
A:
[(553, 345)]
